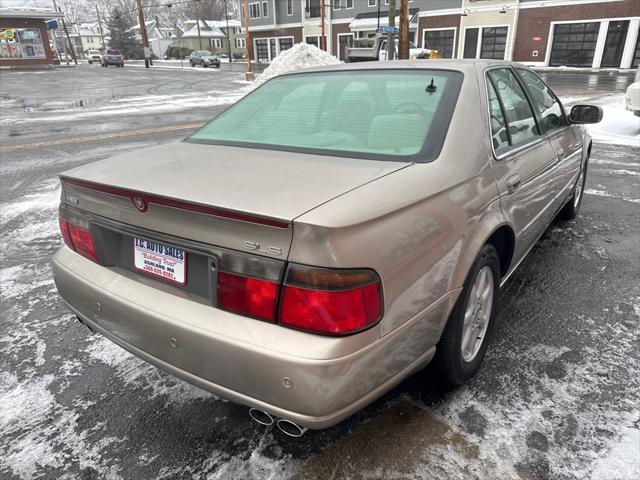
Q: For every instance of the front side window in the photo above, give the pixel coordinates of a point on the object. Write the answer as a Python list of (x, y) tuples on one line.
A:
[(365, 114), (544, 100), (521, 122)]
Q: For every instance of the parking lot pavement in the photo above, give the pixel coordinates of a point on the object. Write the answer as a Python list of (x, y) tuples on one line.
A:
[(557, 396)]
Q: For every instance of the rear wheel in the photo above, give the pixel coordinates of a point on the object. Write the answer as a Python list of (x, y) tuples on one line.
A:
[(466, 336), (571, 209)]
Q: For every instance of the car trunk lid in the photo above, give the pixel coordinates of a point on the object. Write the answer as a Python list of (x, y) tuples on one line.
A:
[(237, 198)]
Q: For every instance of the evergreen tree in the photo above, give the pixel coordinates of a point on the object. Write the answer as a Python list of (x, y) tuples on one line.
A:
[(119, 30)]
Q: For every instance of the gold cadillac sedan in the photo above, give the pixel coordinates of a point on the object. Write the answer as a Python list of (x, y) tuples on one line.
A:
[(326, 236)]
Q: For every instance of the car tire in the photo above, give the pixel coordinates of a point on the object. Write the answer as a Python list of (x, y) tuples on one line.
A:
[(458, 354), (192, 64), (572, 207)]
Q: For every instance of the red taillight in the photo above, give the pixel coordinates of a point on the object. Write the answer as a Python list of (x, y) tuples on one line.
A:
[(247, 296), (76, 234), (64, 230), (82, 242), (336, 302)]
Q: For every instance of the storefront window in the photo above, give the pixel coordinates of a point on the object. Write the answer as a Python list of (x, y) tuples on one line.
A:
[(21, 43)]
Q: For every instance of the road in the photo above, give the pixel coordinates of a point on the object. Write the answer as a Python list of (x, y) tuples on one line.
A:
[(557, 397)]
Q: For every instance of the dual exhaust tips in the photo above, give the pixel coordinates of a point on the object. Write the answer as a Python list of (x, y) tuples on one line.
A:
[(286, 426)]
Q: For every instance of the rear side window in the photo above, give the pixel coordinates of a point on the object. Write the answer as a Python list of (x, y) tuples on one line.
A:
[(521, 122), (499, 133), (544, 100), (376, 114)]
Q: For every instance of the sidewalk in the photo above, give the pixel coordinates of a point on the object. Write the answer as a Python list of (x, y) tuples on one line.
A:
[(175, 64)]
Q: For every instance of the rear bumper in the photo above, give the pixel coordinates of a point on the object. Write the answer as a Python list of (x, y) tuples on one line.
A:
[(245, 360)]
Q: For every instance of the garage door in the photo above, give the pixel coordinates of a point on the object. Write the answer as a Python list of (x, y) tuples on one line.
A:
[(614, 44), (494, 42), (574, 44), (441, 40)]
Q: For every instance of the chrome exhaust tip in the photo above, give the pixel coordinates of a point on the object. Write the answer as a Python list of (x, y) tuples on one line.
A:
[(291, 429), (261, 417)]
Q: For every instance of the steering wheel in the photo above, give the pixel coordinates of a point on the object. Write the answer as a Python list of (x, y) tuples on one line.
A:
[(408, 107)]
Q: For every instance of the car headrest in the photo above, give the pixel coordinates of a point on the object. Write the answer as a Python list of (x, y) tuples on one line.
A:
[(398, 133)]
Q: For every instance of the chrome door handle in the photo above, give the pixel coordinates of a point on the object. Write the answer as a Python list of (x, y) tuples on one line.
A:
[(513, 183)]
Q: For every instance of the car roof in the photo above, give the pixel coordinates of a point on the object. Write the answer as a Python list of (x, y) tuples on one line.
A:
[(463, 65)]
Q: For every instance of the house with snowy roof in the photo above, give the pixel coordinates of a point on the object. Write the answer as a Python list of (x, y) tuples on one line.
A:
[(160, 37), (218, 36), (86, 36)]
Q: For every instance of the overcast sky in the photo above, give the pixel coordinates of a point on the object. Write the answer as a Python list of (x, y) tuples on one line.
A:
[(26, 3)]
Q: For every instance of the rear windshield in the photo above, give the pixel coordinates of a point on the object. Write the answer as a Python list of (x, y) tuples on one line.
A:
[(113, 52), (378, 114)]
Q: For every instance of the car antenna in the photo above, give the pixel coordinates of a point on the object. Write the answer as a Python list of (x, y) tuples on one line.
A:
[(431, 87)]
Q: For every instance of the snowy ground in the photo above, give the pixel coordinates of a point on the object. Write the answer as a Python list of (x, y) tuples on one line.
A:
[(557, 398)]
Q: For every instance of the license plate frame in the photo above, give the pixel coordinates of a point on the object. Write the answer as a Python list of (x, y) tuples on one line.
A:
[(161, 260)]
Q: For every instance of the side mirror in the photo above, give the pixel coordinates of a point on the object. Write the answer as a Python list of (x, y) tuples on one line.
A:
[(585, 114)]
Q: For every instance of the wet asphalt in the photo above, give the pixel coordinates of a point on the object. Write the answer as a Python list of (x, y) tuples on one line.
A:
[(558, 388)]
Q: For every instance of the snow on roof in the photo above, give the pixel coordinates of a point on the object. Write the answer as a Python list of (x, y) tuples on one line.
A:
[(29, 13), (206, 30), (214, 23), (148, 24)]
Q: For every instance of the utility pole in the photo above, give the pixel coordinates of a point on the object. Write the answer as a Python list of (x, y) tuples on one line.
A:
[(198, 22), (322, 40), (403, 41), (245, 7), (64, 27), (143, 34), (226, 16), (100, 26), (391, 42)]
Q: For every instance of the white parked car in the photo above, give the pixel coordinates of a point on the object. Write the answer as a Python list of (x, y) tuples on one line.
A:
[(633, 95), (94, 56)]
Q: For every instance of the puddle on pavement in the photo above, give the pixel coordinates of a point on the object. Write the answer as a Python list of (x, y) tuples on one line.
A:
[(402, 441)]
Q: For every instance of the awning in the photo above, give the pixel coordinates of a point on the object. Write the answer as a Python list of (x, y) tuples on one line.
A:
[(369, 20)]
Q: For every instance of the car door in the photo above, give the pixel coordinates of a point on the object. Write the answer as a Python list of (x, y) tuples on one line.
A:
[(524, 160), (566, 139)]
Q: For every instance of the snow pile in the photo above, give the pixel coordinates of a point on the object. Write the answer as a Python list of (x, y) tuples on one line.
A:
[(618, 125), (301, 55)]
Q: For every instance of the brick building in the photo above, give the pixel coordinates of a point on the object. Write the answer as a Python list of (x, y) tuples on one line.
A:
[(598, 34), (24, 37), (580, 33)]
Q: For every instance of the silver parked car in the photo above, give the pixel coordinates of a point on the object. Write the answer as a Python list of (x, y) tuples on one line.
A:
[(204, 58), (328, 235)]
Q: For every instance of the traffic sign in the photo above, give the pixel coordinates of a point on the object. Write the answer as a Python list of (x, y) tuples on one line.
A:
[(388, 29)]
